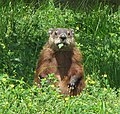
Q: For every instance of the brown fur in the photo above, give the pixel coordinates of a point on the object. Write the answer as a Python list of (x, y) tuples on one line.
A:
[(65, 63)]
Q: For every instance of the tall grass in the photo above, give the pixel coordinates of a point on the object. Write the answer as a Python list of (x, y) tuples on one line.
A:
[(23, 32)]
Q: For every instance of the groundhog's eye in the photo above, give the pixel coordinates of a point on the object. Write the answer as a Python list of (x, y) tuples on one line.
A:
[(68, 33), (56, 33)]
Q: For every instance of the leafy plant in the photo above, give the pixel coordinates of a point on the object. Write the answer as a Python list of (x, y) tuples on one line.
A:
[(16, 96)]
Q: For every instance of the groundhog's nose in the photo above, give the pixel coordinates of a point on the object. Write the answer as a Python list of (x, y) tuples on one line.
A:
[(63, 36)]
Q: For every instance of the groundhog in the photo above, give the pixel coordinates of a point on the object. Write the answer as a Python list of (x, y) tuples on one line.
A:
[(61, 57)]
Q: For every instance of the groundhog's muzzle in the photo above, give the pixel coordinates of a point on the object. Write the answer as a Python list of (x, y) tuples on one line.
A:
[(63, 36)]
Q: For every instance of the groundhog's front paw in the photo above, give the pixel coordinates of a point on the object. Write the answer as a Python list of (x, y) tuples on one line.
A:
[(71, 86)]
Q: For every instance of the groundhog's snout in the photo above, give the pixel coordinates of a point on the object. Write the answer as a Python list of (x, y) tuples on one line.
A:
[(63, 36)]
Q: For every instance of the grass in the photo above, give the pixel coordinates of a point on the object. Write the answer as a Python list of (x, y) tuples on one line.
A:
[(23, 32), (19, 97)]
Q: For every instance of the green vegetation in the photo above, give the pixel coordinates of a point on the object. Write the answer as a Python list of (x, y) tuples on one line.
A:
[(23, 32), (20, 98)]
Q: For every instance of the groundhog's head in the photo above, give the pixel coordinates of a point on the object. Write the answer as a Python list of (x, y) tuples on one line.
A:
[(61, 38)]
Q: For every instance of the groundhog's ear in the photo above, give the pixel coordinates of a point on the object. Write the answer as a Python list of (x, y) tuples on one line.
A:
[(50, 31), (72, 31)]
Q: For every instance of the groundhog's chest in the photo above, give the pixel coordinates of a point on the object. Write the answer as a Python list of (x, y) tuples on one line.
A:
[(63, 61)]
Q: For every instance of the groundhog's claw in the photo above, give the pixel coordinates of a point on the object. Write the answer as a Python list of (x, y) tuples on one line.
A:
[(71, 86)]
